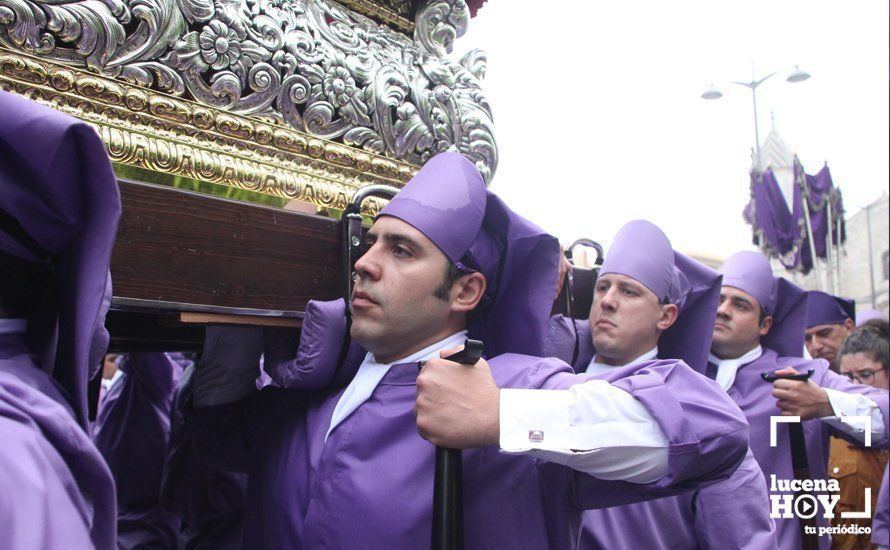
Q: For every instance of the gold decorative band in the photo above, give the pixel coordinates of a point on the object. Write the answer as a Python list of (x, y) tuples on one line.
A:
[(380, 13), (154, 131)]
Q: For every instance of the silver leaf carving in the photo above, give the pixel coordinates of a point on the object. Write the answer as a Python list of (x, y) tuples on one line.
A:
[(313, 64)]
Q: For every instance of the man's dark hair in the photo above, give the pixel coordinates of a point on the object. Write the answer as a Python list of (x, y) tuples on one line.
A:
[(873, 339), (21, 284), (452, 274), (763, 315)]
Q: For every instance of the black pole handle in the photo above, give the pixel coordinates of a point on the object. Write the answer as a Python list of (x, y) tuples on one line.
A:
[(800, 462), (448, 504), (771, 376)]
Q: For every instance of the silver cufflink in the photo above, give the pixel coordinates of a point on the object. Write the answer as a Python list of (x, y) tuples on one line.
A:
[(536, 435)]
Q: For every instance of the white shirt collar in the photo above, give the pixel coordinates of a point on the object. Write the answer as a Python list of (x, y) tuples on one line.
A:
[(598, 368), (727, 368), (13, 326), (370, 373), (108, 382)]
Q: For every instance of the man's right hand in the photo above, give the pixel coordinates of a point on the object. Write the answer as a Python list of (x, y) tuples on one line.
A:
[(564, 267)]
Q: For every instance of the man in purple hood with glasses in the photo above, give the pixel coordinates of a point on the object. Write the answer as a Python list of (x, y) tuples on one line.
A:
[(760, 327), (346, 467), (59, 207), (651, 303)]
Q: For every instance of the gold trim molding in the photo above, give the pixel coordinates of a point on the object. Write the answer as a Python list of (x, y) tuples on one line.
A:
[(380, 13), (151, 130)]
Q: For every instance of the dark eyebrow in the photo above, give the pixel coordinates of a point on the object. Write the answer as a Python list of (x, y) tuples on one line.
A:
[(395, 238), (739, 299), (631, 285)]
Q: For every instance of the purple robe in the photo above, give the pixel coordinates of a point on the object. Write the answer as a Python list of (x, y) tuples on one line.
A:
[(370, 484), (733, 513), (880, 526), (729, 514), (56, 491), (754, 397), (132, 432), (209, 501)]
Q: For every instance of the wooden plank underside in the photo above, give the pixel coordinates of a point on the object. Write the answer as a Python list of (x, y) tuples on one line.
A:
[(190, 318), (181, 247)]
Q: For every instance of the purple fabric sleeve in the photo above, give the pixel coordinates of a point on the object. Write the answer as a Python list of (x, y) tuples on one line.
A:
[(880, 534), (706, 431), (563, 335), (156, 373), (318, 354), (835, 381), (735, 513)]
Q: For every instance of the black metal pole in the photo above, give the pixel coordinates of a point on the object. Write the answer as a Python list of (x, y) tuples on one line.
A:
[(800, 463), (448, 502)]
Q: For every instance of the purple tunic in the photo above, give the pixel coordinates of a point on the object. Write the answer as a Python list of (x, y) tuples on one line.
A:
[(729, 514), (733, 513), (880, 526), (370, 484), (754, 397), (56, 491), (132, 432), (209, 501)]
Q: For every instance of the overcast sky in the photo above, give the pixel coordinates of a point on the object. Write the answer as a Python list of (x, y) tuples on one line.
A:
[(599, 118)]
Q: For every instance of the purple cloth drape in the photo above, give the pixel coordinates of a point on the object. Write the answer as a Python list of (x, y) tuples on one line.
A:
[(782, 232), (775, 229)]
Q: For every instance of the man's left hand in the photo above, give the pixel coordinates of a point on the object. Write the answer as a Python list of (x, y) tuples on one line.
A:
[(457, 406), (801, 398)]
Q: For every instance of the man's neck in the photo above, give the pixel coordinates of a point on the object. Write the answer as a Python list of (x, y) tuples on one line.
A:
[(395, 357), (734, 354), (624, 359)]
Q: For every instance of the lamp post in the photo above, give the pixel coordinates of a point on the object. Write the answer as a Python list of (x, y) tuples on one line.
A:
[(713, 93)]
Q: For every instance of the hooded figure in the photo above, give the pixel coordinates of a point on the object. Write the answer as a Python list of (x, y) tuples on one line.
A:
[(59, 207), (132, 432), (346, 468), (830, 319), (729, 514), (209, 502), (643, 252), (776, 309)]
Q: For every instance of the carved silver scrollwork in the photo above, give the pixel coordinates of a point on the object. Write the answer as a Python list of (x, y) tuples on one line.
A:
[(313, 64)]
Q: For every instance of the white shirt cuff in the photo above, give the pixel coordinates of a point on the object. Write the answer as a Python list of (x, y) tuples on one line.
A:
[(592, 427), (854, 405)]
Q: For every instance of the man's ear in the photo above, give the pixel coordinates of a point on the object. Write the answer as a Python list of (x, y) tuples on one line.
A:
[(849, 325), (766, 324), (467, 292), (669, 314)]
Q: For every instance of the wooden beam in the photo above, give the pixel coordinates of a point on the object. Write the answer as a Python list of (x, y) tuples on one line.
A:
[(192, 318), (179, 247)]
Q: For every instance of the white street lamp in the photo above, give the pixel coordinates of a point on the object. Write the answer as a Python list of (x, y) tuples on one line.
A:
[(713, 93)]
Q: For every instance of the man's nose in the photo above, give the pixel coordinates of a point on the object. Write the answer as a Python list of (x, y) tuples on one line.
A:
[(368, 266), (609, 300)]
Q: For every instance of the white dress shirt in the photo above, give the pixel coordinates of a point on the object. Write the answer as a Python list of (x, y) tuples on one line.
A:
[(727, 368), (592, 427), (370, 373)]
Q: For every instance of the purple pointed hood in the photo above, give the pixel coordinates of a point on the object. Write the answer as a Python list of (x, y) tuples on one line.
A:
[(643, 252), (825, 309), (447, 201), (60, 198), (787, 303)]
